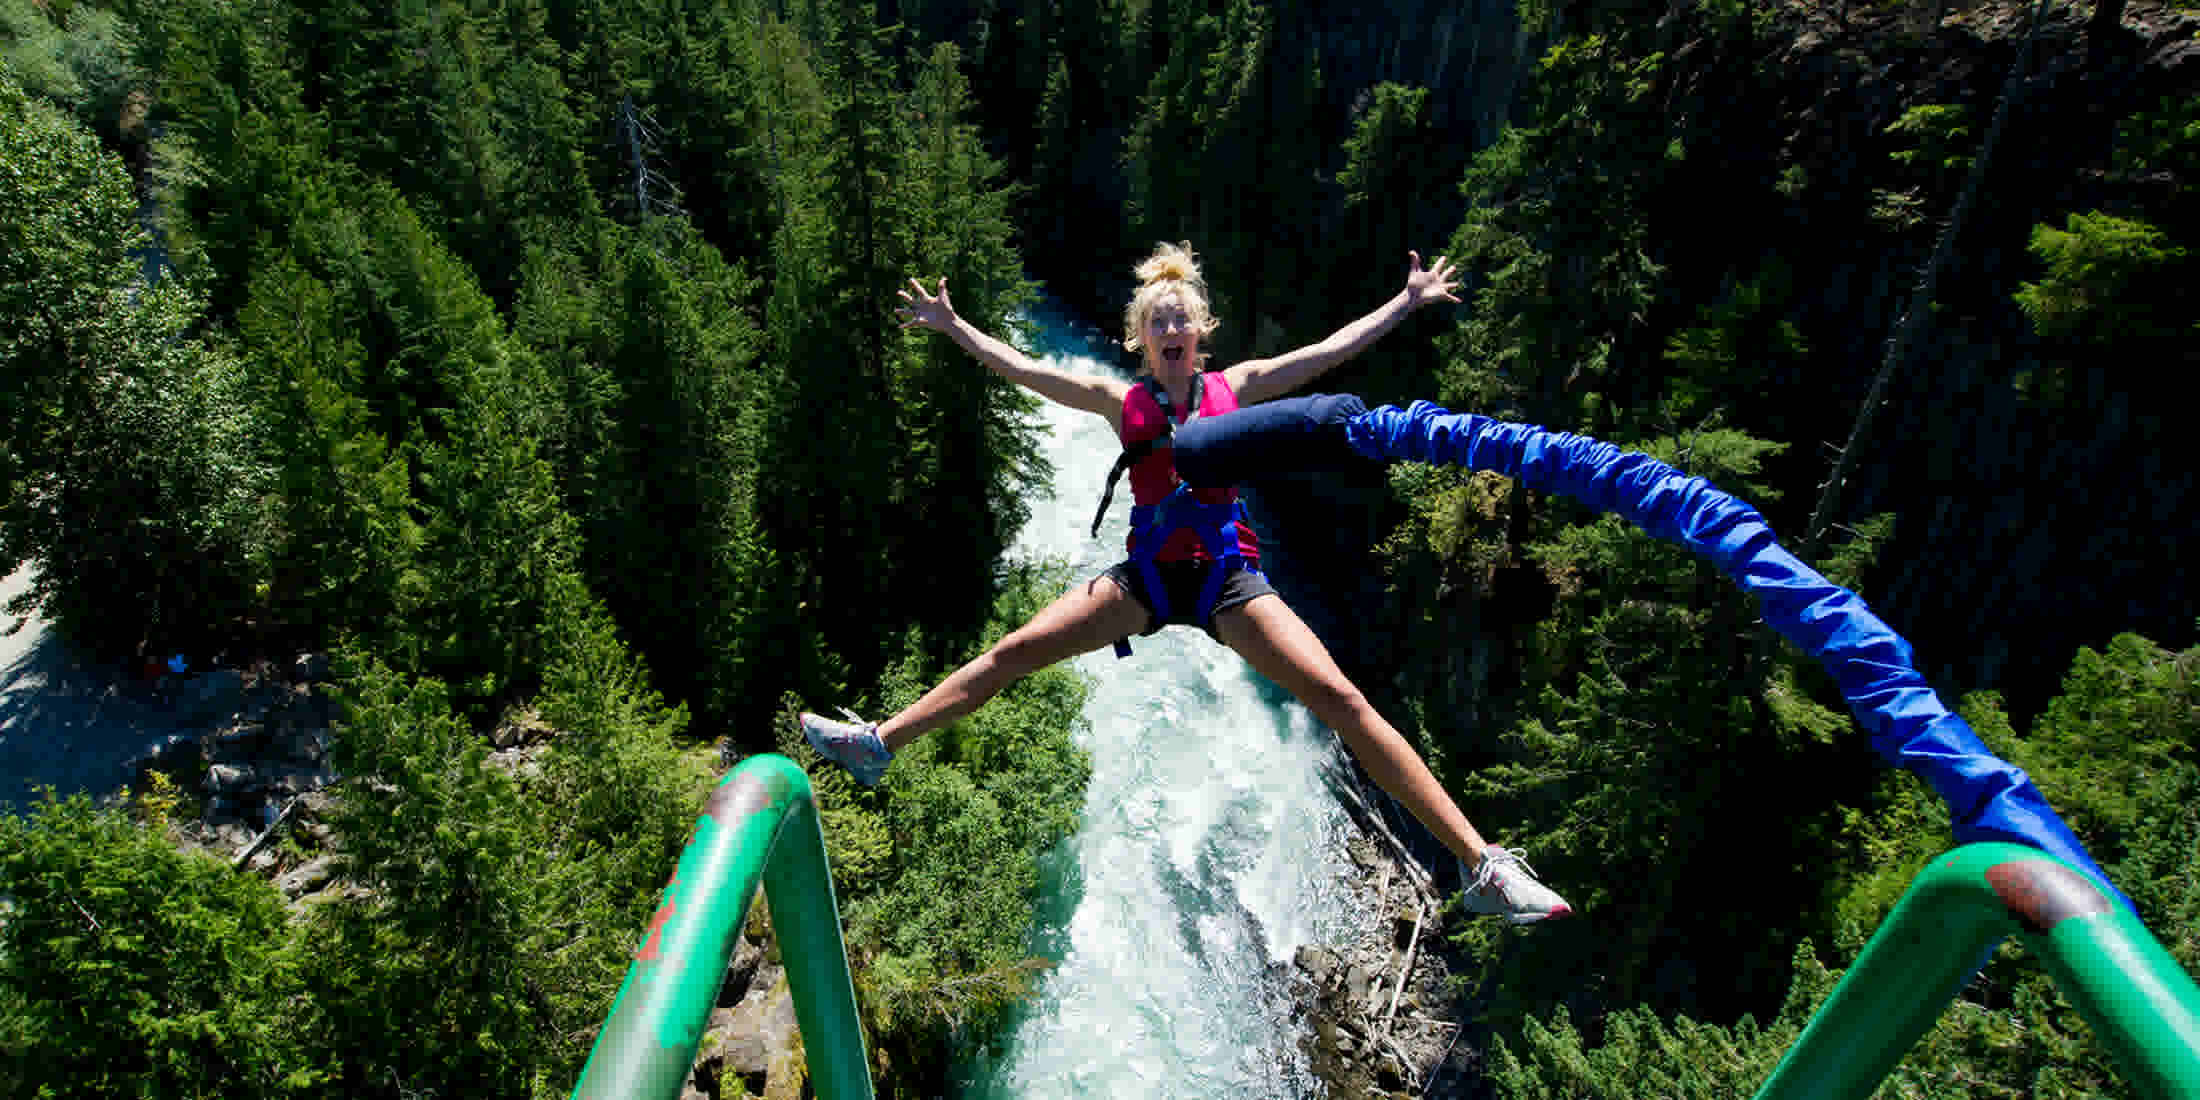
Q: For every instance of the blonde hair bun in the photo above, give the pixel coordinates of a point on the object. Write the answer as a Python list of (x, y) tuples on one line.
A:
[(1171, 262)]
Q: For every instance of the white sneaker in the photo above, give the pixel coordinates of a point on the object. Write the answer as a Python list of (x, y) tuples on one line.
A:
[(853, 744), (1505, 886)]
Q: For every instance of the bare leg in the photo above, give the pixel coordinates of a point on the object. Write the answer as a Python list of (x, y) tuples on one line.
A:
[(1272, 638), (1086, 617)]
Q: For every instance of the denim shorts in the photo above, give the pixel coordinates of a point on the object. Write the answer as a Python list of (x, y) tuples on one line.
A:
[(1183, 581)]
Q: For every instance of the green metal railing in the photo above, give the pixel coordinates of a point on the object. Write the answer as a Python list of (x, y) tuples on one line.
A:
[(760, 825), (2142, 1005)]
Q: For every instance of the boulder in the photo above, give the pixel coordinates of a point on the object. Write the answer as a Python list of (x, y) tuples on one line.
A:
[(223, 685), (1319, 963), (284, 784), (742, 972), (241, 743), (520, 764), (519, 728), (315, 806), (1357, 979), (761, 1027), (305, 878)]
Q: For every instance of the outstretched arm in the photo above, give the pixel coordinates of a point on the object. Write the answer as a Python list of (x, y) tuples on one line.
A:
[(1092, 393), (1261, 379)]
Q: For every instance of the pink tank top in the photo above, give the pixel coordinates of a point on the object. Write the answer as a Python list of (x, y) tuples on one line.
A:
[(1154, 477)]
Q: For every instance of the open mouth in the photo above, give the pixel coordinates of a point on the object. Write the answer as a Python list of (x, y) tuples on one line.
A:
[(1172, 354)]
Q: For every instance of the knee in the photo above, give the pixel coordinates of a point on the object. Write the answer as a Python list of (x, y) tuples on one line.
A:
[(1014, 656)]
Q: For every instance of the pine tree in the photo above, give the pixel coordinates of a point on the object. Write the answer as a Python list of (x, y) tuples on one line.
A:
[(126, 469), (424, 974), (662, 491), (129, 967), (1401, 195), (1569, 274), (969, 454), (342, 535), (832, 516)]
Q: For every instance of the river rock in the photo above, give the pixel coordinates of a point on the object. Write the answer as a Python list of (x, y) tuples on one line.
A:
[(751, 1036), (1319, 964), (520, 764), (284, 784), (741, 974), (241, 742), (519, 729), (306, 877), (1357, 979), (208, 694)]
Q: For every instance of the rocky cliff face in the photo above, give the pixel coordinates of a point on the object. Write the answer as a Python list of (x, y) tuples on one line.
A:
[(2039, 505)]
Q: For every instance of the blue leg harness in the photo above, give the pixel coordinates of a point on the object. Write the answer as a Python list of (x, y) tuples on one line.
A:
[(1216, 525)]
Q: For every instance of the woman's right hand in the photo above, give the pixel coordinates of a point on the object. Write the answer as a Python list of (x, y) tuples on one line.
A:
[(933, 311)]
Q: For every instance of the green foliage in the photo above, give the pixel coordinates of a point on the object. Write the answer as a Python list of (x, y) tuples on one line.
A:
[(1898, 211), (1889, 836), (600, 427), (1452, 521), (624, 797), (1392, 123), (2104, 282), (1644, 1055), (129, 968), (1934, 135), (128, 442), (970, 452), (2030, 1044), (2166, 139), (1566, 270), (431, 963), (460, 106), (239, 158), (1848, 561), (1637, 766), (859, 428), (2114, 751), (2123, 735), (1216, 155), (76, 57), (341, 535), (1794, 182), (1400, 182), (1740, 344), (69, 220)]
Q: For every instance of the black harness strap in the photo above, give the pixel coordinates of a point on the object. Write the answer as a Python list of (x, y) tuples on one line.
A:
[(1137, 452)]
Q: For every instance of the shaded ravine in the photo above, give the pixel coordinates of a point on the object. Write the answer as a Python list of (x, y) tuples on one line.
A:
[(1209, 848), (77, 724)]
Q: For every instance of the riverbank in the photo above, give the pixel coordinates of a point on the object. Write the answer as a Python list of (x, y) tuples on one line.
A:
[(240, 741), (1383, 1020)]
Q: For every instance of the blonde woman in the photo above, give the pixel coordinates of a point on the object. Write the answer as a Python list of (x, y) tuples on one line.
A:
[(1192, 557)]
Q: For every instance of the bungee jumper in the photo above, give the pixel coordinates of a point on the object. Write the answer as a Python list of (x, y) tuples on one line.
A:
[(1167, 514), (1989, 799), (1192, 558)]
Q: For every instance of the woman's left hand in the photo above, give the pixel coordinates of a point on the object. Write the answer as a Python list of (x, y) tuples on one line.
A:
[(1434, 284)]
